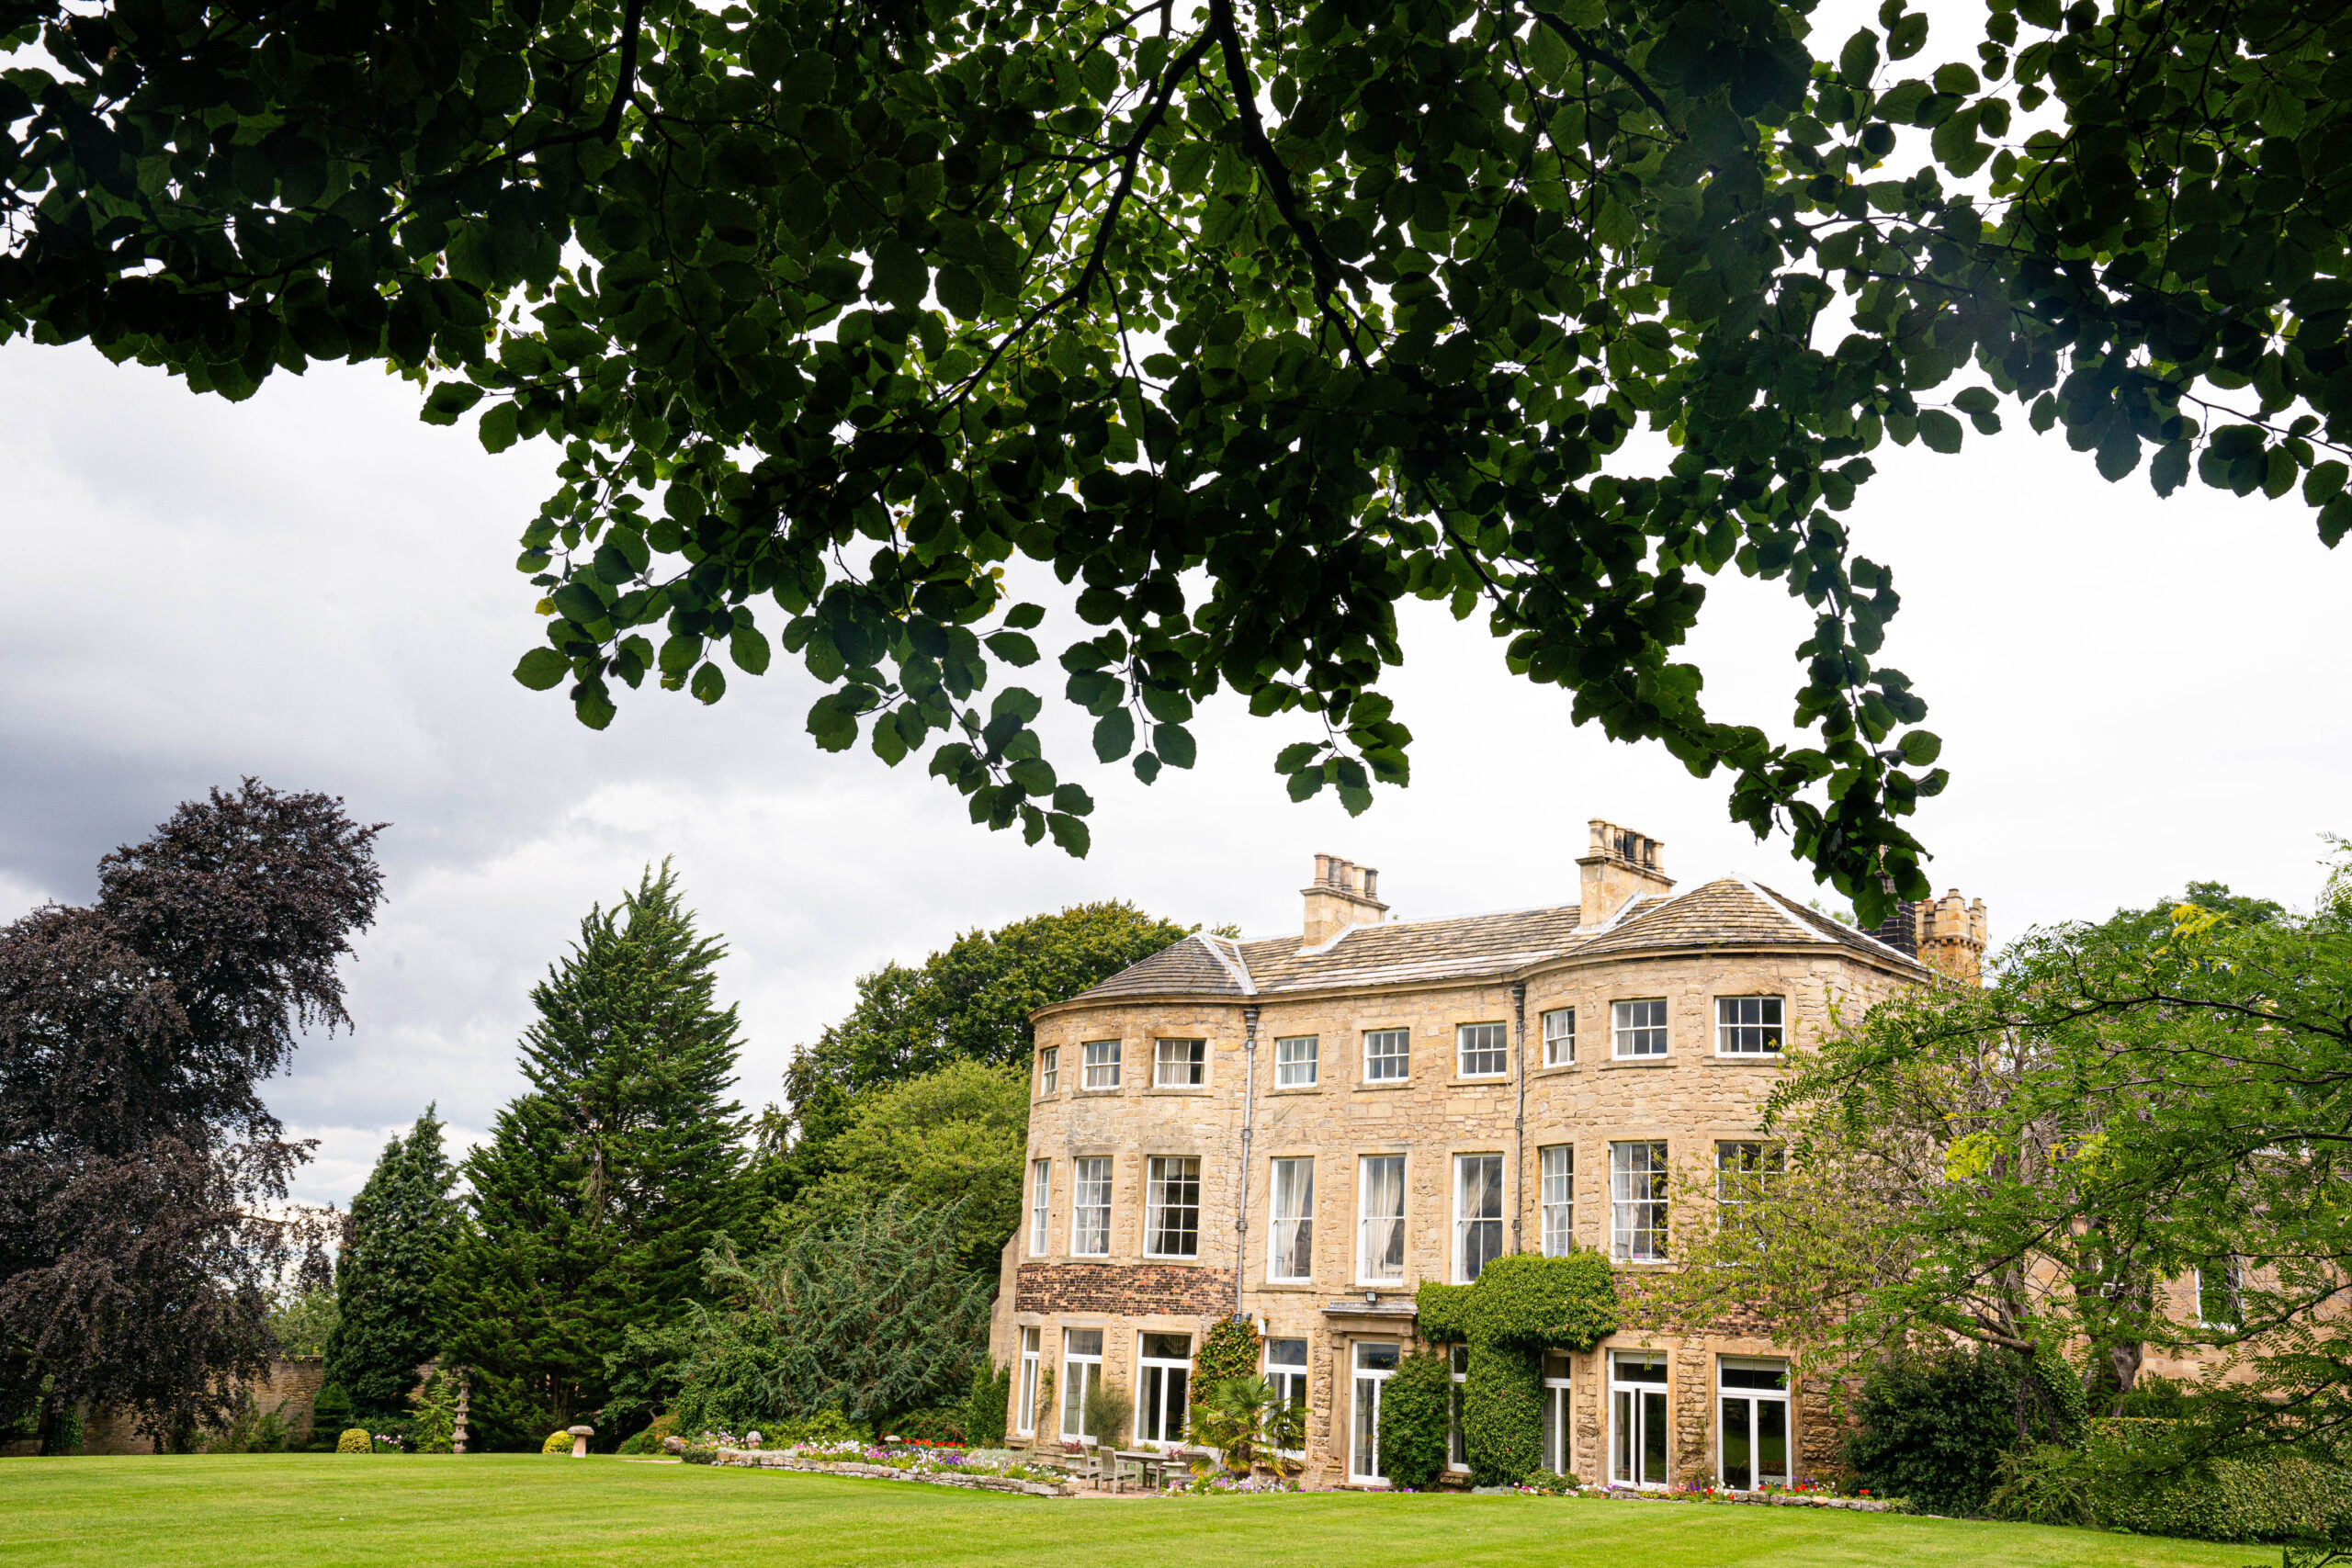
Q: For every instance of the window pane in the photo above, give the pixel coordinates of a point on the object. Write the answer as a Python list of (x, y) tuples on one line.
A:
[(1559, 1197), (1739, 1471), (1641, 1027), (1747, 1026), (1102, 1064), (1173, 1207), (1637, 1201), (1559, 1037), (1294, 1061), (1484, 1050), (1386, 1053), (1478, 1207), (1383, 1200), (1293, 1231), (1179, 1064), (1091, 1207), (1285, 1352), (1041, 1187), (1048, 1069), (1772, 1441)]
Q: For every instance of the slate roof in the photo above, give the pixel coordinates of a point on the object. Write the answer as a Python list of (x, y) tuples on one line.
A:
[(1728, 912)]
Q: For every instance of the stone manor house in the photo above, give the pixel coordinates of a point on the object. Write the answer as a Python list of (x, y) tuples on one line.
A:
[(1306, 1128)]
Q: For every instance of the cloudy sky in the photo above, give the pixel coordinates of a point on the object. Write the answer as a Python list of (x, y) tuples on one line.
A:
[(316, 589)]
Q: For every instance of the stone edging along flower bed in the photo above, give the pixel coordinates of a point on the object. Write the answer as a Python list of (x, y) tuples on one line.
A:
[(751, 1459)]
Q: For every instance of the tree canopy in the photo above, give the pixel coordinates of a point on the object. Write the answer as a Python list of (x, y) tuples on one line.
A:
[(2117, 1147), (388, 1316), (1250, 321), (601, 1185), (143, 1226)]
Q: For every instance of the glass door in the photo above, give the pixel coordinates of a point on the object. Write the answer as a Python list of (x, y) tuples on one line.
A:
[(1754, 1429), (1286, 1371), (1637, 1418), (1556, 1415), (1167, 1363), (1375, 1363), (1081, 1372)]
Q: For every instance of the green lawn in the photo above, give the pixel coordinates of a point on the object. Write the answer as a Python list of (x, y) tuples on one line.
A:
[(325, 1511)]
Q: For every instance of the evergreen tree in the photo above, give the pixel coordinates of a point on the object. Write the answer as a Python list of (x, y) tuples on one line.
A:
[(388, 1320), (602, 1184)]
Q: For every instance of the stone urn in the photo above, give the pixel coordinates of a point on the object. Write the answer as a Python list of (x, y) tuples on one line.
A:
[(580, 1436), (753, 1442)]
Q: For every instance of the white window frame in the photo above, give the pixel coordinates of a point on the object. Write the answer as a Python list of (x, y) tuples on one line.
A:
[(1026, 1424), (1558, 1198), (1486, 1042), (1161, 1370), (1160, 1173), (1643, 1036), (1288, 1378), (1088, 1367), (1101, 1058), (1388, 1066), (1090, 1177), (1366, 1220), (1466, 1166), (1764, 1035), (1185, 1066), (2233, 1289), (1557, 1435), (1457, 1441), (1049, 1070), (1292, 1234), (1759, 1159), (1294, 1061), (1560, 1037), (1629, 1423), (1755, 1398), (1626, 1198), (1040, 1205), (1364, 1410)]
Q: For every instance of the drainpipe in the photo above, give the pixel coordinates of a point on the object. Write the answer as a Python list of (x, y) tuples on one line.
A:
[(1249, 1108), (1519, 1121)]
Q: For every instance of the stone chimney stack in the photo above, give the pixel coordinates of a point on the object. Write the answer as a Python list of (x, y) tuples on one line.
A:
[(1342, 895), (1953, 936), (1622, 865)]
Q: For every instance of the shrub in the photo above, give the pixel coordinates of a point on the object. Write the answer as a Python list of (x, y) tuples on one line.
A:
[(1932, 1429), (1228, 1350), (354, 1440), (559, 1442), (1549, 1484), (329, 1413), (2144, 1481), (1414, 1418), (1502, 1410), (827, 1425), (2048, 1483), (1108, 1410), (987, 1405), (648, 1441), (700, 1453), (436, 1415), (938, 1424)]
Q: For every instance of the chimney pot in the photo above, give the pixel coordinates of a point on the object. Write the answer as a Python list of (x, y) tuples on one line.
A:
[(1342, 895), (1623, 864)]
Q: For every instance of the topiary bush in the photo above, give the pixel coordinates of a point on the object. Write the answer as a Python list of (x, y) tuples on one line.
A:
[(1933, 1429), (1228, 1350), (354, 1440), (1520, 1305), (648, 1441), (1414, 1410), (987, 1405), (1502, 1412), (559, 1442)]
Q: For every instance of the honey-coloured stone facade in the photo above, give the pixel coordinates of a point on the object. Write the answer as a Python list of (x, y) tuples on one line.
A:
[(1464, 994)]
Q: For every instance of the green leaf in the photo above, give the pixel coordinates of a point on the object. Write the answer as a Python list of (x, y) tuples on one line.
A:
[(591, 704), (1297, 755), (2325, 482), (899, 277), (1858, 60), (449, 399), (542, 669), (499, 426), (1017, 702), (1921, 748), (1147, 766), (1115, 734), (709, 683), (1070, 835), (1024, 618), (1174, 744), (1907, 36), (1939, 431), (1012, 647), (960, 292), (1071, 798), (748, 646), (2170, 469)]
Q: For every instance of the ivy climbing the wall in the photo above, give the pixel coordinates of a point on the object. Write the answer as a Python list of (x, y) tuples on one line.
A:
[(1230, 1350), (1521, 1306), (1413, 1421)]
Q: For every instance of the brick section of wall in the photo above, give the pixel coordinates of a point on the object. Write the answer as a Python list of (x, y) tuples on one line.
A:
[(1131, 1289)]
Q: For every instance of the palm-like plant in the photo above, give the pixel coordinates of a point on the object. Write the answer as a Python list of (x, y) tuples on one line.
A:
[(1282, 1428), (1230, 1415)]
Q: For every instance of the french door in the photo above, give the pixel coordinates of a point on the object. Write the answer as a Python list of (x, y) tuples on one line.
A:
[(1753, 1428), (1637, 1420), (1167, 1365), (1374, 1364)]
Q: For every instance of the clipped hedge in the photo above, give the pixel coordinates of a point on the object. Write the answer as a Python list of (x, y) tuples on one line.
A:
[(1520, 1306), (2285, 1499), (559, 1442), (1413, 1420), (354, 1440), (1502, 1412)]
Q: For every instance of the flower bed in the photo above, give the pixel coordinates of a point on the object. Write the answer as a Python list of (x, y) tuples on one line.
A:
[(934, 1465)]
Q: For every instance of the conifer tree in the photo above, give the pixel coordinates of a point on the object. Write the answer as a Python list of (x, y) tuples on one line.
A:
[(602, 1184), (398, 1240)]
